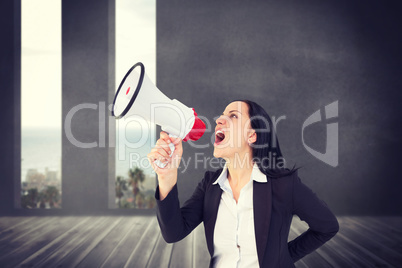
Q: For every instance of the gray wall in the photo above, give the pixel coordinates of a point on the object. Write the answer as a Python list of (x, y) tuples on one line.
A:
[(10, 75), (293, 58)]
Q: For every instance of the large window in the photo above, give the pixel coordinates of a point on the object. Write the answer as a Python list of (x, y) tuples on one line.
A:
[(41, 103), (135, 42)]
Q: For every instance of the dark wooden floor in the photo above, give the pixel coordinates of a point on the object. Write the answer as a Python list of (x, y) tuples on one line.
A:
[(135, 241)]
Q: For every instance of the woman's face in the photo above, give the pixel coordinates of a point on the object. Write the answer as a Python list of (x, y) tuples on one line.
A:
[(233, 132)]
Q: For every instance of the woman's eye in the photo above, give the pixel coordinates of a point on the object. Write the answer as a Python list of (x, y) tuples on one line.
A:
[(233, 116)]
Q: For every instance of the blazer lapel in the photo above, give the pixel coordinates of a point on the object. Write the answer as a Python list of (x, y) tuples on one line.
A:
[(213, 198), (262, 207)]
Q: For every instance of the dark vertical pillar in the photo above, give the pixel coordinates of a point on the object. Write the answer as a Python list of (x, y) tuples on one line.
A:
[(87, 90), (10, 76), (110, 95)]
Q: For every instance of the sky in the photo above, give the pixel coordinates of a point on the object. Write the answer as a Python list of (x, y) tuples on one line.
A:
[(41, 53), (40, 63)]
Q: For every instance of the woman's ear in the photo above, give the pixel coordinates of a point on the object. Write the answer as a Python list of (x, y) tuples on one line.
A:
[(252, 137)]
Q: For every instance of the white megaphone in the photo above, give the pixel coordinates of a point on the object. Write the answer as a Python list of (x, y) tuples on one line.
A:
[(137, 95)]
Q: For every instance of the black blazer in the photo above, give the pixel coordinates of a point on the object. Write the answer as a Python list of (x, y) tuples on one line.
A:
[(275, 203)]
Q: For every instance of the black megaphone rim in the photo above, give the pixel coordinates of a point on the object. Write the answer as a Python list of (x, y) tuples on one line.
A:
[(137, 90)]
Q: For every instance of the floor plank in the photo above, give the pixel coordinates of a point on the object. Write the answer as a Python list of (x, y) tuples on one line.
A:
[(381, 236), (140, 255), (136, 241), (120, 254), (9, 223), (30, 243), (161, 255), (391, 223), (382, 227), (53, 246), (182, 254), (104, 248), (369, 241), (89, 242), (71, 243), (16, 232)]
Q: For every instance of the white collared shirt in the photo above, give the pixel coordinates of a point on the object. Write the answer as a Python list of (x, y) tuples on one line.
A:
[(234, 236)]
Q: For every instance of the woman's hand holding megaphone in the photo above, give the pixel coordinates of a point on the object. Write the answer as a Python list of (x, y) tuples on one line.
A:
[(167, 176)]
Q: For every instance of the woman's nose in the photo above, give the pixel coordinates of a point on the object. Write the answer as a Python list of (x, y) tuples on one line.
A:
[(220, 120)]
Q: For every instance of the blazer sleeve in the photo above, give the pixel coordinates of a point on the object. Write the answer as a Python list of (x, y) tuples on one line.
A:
[(175, 222), (323, 224)]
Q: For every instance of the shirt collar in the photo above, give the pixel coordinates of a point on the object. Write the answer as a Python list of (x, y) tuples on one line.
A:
[(256, 175)]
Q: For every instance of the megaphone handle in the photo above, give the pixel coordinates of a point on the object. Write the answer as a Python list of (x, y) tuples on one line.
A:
[(171, 146)]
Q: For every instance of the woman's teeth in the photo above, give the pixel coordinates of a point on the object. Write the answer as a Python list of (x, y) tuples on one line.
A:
[(219, 136)]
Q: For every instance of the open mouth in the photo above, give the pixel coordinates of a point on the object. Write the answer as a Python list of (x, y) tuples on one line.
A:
[(219, 137)]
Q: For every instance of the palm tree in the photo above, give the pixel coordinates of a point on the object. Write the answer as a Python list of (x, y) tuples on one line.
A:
[(42, 198), (150, 201), (139, 200), (136, 177), (52, 195), (30, 199), (121, 185)]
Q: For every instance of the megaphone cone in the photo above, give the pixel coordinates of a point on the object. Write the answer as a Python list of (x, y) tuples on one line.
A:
[(137, 95)]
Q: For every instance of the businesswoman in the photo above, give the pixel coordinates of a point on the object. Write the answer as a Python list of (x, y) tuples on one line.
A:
[(247, 206)]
